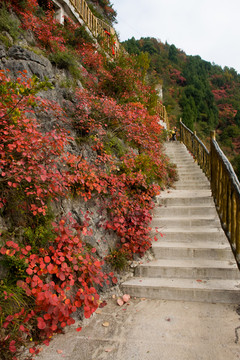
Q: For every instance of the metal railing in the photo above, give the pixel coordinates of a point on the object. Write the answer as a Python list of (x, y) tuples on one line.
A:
[(224, 183), (97, 27)]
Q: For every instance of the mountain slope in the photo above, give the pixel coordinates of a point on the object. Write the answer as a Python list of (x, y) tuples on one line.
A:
[(204, 95)]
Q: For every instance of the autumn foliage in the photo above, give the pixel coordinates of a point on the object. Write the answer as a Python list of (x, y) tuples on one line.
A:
[(52, 272)]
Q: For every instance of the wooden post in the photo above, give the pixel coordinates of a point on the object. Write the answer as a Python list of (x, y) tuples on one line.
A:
[(213, 135)]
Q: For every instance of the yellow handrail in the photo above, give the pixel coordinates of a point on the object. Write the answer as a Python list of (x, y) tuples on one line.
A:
[(224, 183), (97, 26)]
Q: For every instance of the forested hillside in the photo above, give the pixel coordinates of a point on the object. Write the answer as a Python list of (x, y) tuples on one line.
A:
[(204, 95), (80, 163)]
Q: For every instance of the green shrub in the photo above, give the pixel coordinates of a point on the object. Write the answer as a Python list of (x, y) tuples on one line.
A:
[(15, 267), (82, 34), (5, 40), (114, 146), (118, 260), (7, 23), (65, 60)]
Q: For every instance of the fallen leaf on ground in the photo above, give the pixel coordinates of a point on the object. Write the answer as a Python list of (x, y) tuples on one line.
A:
[(79, 329), (168, 319), (108, 350), (120, 302), (199, 280), (114, 296), (105, 324), (126, 297), (103, 303), (59, 351), (98, 311)]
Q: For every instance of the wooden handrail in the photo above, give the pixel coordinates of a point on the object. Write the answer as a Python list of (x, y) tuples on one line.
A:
[(97, 26), (224, 183), (162, 112)]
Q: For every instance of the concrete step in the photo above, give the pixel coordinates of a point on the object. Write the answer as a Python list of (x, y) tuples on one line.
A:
[(183, 160), (193, 259), (216, 290), (191, 177), (189, 269), (190, 173), (192, 250), (186, 186), (185, 197), (191, 183), (173, 211), (183, 179), (165, 222), (191, 234), (190, 167), (184, 201)]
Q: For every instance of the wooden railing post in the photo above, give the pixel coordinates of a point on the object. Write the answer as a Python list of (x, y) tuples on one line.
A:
[(95, 25)]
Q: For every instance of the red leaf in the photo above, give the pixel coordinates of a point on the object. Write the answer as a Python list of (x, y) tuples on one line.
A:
[(102, 304), (79, 329), (47, 259), (41, 323)]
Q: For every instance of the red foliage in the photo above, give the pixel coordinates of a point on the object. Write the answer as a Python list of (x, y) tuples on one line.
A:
[(36, 168), (66, 261)]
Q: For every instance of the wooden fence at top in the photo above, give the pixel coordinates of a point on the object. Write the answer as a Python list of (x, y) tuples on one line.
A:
[(97, 27), (224, 183), (162, 112)]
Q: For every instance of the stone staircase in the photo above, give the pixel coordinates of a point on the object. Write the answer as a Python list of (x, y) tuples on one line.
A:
[(193, 260)]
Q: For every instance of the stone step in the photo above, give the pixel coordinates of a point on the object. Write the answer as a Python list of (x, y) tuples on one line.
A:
[(191, 183), (191, 234), (185, 197), (199, 186), (216, 290), (190, 167), (183, 160), (165, 222), (183, 173), (192, 250), (189, 269), (184, 201), (193, 258), (172, 211), (190, 179), (189, 176)]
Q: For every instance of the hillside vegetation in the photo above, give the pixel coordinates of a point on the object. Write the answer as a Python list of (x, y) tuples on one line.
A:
[(204, 95), (80, 163)]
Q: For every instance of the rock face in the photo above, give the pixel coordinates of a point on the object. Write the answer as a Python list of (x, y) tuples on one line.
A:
[(18, 59)]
